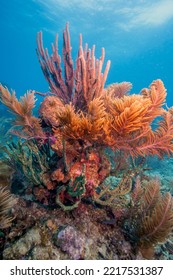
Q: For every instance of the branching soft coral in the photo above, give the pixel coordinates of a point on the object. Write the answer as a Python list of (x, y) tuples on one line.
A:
[(157, 142), (31, 127), (81, 117), (83, 109), (118, 89), (78, 86), (150, 219), (64, 158), (6, 203), (88, 126), (131, 122)]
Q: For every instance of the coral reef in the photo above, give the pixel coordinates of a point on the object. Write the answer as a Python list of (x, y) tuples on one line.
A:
[(39, 233), (85, 156)]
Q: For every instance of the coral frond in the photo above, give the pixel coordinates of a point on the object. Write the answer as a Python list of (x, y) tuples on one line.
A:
[(160, 141), (10, 100), (151, 196), (23, 110), (157, 95), (150, 217), (130, 119), (118, 89), (78, 86), (77, 125), (157, 226), (22, 107), (6, 203), (28, 102)]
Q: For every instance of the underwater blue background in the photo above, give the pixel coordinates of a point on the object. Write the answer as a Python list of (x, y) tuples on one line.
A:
[(137, 36)]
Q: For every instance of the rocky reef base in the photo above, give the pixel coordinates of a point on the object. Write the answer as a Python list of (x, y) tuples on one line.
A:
[(38, 233)]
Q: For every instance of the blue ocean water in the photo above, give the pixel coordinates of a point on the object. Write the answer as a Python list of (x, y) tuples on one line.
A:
[(137, 37)]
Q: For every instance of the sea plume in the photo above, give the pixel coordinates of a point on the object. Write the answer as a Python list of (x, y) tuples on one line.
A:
[(31, 127), (80, 117), (131, 120), (150, 219), (6, 203), (118, 89), (157, 227)]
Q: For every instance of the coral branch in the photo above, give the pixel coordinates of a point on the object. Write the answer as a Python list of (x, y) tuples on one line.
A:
[(6, 203), (23, 111), (158, 226), (80, 85), (118, 89)]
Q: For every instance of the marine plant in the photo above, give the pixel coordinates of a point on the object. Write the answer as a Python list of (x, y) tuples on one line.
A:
[(79, 118)]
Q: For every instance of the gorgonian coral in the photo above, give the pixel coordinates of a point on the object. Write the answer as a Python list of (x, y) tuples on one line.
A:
[(6, 203), (63, 154), (80, 117)]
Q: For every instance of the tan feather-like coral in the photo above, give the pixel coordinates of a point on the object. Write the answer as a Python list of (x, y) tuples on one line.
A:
[(6, 203), (150, 219), (118, 89), (157, 95), (157, 226), (159, 141), (23, 107), (31, 126)]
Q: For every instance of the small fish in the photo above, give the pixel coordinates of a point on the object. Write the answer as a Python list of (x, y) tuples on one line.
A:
[(108, 222)]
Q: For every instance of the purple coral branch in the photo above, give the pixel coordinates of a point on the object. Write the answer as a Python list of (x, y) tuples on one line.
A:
[(51, 67), (78, 86)]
